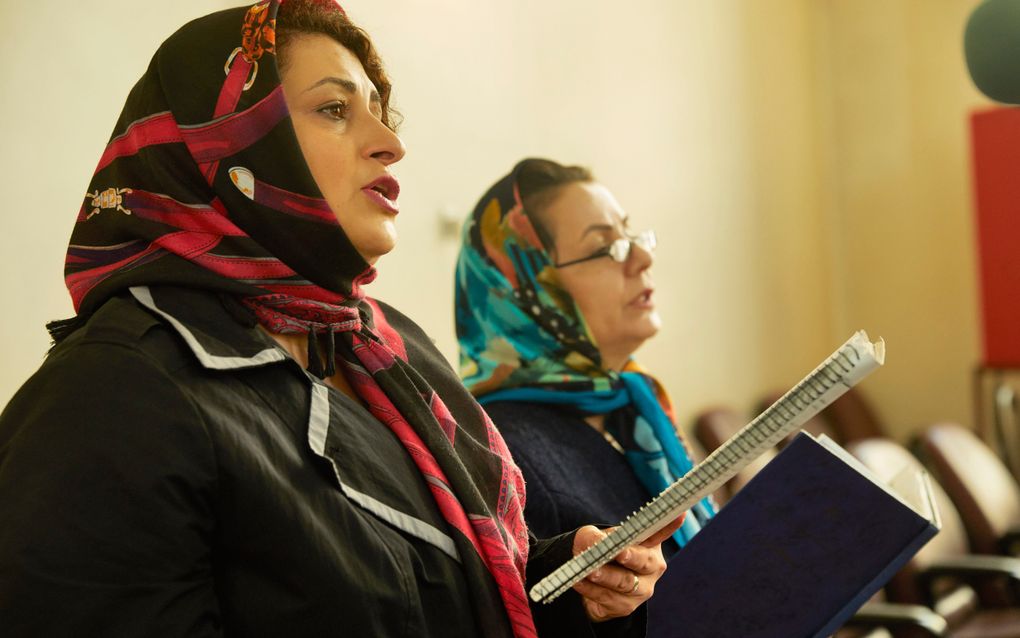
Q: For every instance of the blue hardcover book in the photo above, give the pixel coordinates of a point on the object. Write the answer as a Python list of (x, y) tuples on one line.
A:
[(797, 551)]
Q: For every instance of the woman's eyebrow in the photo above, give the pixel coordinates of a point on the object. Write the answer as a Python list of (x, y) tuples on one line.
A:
[(597, 228), (347, 85)]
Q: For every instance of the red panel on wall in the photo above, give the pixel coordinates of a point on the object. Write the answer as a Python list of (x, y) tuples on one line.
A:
[(996, 148)]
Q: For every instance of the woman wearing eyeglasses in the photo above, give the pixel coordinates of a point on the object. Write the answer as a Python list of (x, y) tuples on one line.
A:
[(554, 294)]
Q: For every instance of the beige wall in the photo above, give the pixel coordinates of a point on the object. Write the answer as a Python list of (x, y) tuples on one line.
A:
[(65, 72), (896, 98), (678, 107), (804, 163)]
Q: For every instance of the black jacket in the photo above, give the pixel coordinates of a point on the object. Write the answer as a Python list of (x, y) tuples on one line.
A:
[(167, 472)]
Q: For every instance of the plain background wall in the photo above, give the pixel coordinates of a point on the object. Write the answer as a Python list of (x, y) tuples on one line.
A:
[(897, 99), (804, 162)]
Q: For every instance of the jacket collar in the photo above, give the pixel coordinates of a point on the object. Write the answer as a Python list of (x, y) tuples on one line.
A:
[(215, 337)]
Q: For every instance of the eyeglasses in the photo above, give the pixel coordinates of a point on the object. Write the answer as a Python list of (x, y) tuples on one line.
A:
[(619, 250)]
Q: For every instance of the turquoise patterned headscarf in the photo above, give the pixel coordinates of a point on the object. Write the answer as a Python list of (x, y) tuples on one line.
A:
[(522, 338)]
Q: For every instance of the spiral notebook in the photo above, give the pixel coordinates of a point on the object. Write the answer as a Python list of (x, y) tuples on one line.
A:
[(850, 363)]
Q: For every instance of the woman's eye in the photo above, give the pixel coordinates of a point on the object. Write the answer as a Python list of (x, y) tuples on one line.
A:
[(335, 110)]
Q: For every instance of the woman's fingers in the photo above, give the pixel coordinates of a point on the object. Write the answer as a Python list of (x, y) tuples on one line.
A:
[(665, 532), (618, 593), (618, 588), (617, 580), (642, 560), (587, 536)]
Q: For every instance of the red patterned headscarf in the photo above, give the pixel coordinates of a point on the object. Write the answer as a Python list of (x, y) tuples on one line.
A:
[(203, 185)]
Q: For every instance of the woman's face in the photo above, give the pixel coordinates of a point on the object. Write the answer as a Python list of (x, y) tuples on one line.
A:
[(336, 113), (615, 298)]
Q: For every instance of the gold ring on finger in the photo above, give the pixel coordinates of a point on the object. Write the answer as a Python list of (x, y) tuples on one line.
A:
[(637, 582)]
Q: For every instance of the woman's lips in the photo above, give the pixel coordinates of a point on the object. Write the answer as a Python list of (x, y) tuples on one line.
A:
[(384, 191), (644, 300), (381, 200)]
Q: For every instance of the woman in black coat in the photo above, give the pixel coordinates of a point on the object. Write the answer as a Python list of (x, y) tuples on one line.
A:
[(230, 437)]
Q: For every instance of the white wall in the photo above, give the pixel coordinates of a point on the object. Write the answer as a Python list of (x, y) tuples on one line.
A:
[(800, 189)]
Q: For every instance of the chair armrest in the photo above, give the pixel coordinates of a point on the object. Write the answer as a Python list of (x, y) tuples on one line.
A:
[(895, 615), (975, 570), (979, 566)]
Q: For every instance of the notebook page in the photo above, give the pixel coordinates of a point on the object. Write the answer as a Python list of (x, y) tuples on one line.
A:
[(908, 485)]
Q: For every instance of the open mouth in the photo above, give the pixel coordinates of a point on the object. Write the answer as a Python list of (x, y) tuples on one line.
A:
[(387, 186), (643, 299), (384, 191)]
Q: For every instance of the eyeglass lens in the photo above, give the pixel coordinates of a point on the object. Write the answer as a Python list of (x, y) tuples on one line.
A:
[(619, 250)]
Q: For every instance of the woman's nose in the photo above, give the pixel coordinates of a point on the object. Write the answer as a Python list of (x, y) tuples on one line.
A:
[(639, 259), (385, 145)]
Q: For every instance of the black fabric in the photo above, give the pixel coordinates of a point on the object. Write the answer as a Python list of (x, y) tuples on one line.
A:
[(162, 498), (573, 475)]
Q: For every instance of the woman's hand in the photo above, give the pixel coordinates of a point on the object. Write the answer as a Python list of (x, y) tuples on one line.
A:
[(618, 588)]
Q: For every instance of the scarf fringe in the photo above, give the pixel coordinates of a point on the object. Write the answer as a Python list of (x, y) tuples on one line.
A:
[(316, 366), (330, 353), (314, 360), (61, 329)]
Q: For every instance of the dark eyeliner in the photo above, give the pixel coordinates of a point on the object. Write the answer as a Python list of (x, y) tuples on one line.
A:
[(336, 105)]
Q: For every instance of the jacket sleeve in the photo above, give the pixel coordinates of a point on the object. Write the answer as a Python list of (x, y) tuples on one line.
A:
[(106, 483), (565, 616)]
